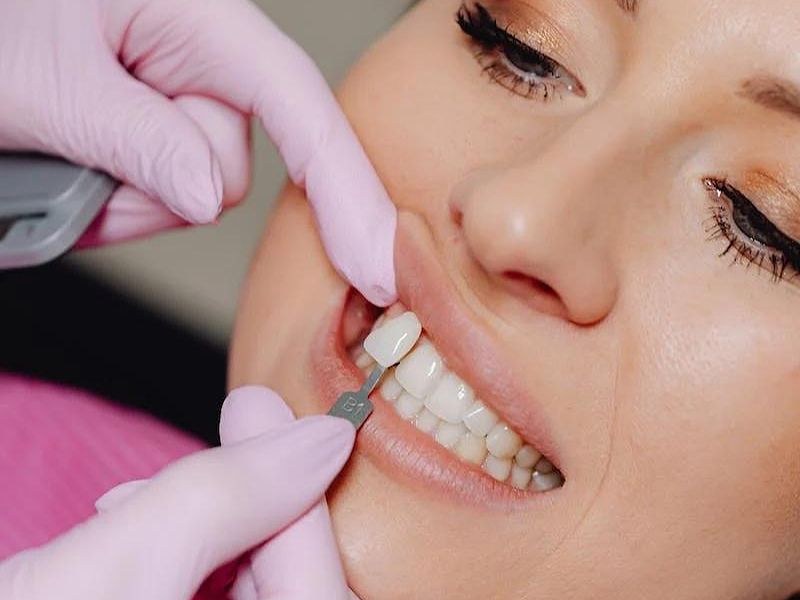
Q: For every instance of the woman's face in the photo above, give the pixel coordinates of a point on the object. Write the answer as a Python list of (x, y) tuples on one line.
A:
[(598, 206)]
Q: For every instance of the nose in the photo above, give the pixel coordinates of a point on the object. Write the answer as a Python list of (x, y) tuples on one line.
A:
[(543, 228)]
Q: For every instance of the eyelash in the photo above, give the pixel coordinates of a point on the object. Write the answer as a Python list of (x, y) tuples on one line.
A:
[(512, 63), (501, 54), (748, 232)]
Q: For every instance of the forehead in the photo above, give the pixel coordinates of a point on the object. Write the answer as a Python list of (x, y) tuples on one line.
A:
[(757, 34)]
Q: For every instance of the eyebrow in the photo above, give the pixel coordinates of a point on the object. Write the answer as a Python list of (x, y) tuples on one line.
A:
[(772, 93), (629, 6)]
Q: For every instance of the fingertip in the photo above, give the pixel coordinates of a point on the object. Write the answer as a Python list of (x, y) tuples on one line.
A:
[(382, 295), (117, 495), (342, 433), (251, 411), (190, 183)]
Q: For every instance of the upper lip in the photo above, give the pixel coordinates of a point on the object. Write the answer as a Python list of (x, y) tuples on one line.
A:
[(468, 349)]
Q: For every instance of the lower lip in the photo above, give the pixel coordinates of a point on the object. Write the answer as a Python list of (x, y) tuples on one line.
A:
[(398, 449)]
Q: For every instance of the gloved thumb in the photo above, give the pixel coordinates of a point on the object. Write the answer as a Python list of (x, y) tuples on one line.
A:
[(196, 515), (123, 127), (156, 148)]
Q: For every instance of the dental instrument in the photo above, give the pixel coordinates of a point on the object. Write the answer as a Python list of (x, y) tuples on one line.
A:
[(46, 205), (356, 407), (388, 345)]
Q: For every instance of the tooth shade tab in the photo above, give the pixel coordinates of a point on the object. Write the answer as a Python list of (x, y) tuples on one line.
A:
[(419, 371), (389, 343)]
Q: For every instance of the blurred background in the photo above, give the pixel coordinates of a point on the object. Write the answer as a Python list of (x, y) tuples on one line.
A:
[(147, 323)]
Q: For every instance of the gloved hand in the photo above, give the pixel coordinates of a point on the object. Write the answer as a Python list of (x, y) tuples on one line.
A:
[(156, 93), (161, 538)]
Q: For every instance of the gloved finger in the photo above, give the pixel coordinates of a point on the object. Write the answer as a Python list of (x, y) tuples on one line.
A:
[(131, 214), (246, 413), (301, 562), (156, 147), (117, 495), (251, 411), (244, 588), (230, 51), (228, 132), (202, 512)]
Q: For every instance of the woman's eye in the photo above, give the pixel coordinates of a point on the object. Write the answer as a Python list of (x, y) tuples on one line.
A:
[(749, 233), (511, 62)]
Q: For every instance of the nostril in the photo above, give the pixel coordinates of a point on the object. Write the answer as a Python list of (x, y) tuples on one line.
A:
[(536, 285), (535, 292)]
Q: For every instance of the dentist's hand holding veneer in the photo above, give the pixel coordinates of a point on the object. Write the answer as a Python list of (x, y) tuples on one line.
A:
[(158, 93)]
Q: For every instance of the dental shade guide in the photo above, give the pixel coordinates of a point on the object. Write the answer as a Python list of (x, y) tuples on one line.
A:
[(356, 407), (388, 345)]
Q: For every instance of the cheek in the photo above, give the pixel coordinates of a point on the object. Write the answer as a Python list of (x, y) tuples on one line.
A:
[(708, 403), (277, 322)]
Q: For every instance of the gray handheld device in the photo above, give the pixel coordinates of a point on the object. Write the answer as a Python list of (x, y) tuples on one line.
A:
[(46, 204)]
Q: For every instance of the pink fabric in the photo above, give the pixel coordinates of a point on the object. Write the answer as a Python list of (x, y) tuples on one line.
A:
[(61, 449)]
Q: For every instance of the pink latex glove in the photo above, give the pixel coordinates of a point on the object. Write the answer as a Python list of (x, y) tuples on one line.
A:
[(160, 539), (156, 92)]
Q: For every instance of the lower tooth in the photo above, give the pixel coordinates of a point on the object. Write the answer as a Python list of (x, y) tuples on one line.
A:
[(448, 434), (472, 448), (520, 477), (427, 421), (408, 406), (544, 482), (499, 468), (390, 388), (503, 442), (545, 467)]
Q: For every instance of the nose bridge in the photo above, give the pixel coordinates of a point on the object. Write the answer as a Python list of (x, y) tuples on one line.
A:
[(550, 214)]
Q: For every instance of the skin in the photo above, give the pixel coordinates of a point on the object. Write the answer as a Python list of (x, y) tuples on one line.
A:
[(679, 438)]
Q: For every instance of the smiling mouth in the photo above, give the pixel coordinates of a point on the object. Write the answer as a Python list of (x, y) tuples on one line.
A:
[(426, 393)]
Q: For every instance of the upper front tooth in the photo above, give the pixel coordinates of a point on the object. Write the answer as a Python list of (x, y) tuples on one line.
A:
[(480, 419), (419, 371), (472, 448), (450, 399), (389, 343), (502, 441)]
